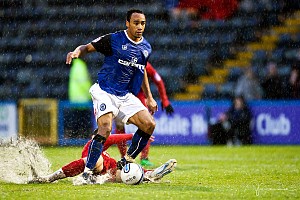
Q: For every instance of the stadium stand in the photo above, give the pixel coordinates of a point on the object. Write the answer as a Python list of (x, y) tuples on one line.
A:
[(255, 47), (198, 60)]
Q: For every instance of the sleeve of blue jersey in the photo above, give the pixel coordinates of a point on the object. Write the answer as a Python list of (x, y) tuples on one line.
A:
[(103, 45)]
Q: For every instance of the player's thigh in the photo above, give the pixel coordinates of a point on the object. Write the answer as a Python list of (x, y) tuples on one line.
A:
[(144, 121), (129, 106)]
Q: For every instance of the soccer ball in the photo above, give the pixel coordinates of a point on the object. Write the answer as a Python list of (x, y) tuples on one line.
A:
[(132, 174)]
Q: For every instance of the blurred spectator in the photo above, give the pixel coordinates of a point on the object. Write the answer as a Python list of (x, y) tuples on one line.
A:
[(183, 14), (218, 9), (248, 86), (290, 5), (294, 83), (204, 9), (170, 4), (79, 82), (233, 126), (77, 120), (247, 5), (272, 85)]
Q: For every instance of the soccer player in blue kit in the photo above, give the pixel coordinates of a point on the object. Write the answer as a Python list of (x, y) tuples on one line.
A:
[(119, 80)]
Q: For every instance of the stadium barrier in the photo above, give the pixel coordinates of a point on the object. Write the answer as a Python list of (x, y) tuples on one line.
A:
[(274, 122), (38, 120)]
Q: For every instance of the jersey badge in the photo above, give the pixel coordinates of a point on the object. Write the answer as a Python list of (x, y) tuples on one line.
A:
[(146, 54), (102, 107), (124, 47)]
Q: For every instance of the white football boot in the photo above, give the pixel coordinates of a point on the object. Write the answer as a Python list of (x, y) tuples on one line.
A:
[(161, 171)]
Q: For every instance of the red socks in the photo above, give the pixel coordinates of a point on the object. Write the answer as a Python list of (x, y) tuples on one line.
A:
[(145, 151), (122, 146)]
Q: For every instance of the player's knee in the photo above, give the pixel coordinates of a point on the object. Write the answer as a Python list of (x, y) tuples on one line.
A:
[(149, 126)]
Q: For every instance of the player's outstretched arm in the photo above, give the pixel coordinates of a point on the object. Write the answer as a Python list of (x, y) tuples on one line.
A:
[(80, 51)]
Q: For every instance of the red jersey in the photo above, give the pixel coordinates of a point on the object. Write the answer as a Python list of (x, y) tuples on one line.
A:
[(155, 77)]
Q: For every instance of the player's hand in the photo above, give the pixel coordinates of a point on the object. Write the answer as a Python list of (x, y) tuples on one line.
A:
[(169, 109), (71, 56), (152, 105)]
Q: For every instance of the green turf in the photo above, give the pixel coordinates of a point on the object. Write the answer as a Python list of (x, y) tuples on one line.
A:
[(203, 172)]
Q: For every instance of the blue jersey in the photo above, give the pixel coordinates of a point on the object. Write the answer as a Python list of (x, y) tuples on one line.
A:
[(124, 63)]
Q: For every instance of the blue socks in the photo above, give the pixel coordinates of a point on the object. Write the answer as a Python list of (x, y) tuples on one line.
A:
[(138, 143), (95, 150)]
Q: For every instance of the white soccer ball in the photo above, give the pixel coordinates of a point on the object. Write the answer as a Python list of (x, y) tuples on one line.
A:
[(132, 174)]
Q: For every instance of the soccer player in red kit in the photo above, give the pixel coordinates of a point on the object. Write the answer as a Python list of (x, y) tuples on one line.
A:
[(165, 103), (104, 165)]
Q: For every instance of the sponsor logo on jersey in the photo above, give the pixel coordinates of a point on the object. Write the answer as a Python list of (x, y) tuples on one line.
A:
[(132, 63)]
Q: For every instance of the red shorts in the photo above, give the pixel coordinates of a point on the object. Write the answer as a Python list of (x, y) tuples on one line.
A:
[(109, 164)]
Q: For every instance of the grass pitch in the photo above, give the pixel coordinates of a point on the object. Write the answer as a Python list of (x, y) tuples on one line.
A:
[(203, 172)]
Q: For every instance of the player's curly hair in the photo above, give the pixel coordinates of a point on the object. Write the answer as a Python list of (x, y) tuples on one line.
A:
[(131, 11)]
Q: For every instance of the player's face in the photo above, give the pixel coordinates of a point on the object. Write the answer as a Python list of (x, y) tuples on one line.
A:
[(136, 26)]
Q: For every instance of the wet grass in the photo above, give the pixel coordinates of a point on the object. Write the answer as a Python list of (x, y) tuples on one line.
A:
[(203, 172)]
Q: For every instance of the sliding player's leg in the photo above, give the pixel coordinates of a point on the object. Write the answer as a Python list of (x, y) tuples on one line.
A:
[(117, 139), (71, 169), (76, 167)]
